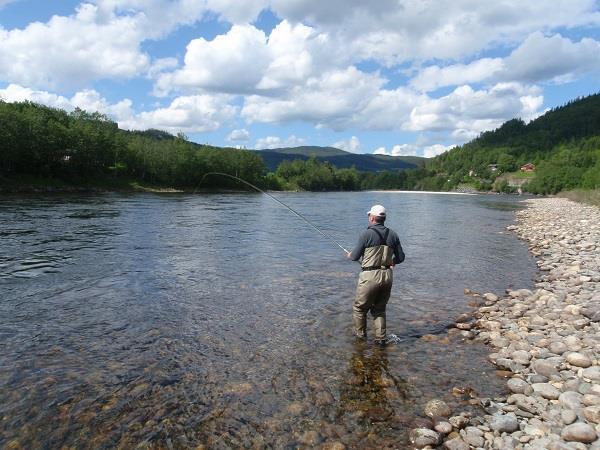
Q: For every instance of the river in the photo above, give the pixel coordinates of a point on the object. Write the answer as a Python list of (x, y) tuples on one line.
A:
[(222, 320)]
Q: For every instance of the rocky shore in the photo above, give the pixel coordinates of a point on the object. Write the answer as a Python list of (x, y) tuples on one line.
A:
[(546, 342)]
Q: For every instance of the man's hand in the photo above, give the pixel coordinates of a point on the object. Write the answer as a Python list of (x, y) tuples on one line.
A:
[(348, 255)]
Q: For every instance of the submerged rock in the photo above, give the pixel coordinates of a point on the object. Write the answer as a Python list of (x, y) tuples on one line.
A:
[(422, 437)]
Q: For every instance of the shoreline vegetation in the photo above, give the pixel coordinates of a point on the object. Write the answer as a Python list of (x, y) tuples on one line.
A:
[(545, 342), (46, 150)]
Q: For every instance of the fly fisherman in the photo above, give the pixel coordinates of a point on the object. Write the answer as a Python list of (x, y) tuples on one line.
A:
[(380, 250)]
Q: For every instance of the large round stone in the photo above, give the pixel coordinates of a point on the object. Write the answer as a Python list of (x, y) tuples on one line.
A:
[(546, 390), (579, 432), (518, 386), (579, 360), (504, 423), (570, 400), (593, 373)]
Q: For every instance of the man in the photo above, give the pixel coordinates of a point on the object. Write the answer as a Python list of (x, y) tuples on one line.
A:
[(380, 250)]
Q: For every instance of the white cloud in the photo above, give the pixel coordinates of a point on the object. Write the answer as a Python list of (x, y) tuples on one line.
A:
[(436, 149), (190, 114), (328, 100), (193, 114), (393, 32), (351, 145), (552, 58), (99, 41), (232, 62), (240, 135), (245, 60), (467, 111), (271, 142), (433, 77), (17, 93), (538, 58), (237, 11), (428, 151)]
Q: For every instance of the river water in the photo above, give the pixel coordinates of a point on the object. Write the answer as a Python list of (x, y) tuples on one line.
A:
[(178, 321)]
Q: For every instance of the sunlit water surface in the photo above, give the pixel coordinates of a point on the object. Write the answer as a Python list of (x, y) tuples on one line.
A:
[(172, 321)]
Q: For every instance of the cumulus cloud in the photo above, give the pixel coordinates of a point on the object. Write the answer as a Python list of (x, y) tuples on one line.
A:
[(328, 100), (190, 114), (427, 151), (232, 62), (98, 41), (351, 145), (271, 142), (393, 32), (236, 11), (245, 60), (193, 114), (240, 135), (538, 58), (468, 112), (552, 58)]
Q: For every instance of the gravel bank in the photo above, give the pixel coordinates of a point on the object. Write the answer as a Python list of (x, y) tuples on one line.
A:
[(546, 342)]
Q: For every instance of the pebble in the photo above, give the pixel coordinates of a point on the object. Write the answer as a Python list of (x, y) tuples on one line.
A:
[(545, 340)]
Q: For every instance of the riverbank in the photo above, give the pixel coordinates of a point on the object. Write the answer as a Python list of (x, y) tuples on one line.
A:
[(546, 342)]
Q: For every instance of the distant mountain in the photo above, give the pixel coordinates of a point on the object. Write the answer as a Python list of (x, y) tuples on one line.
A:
[(340, 158)]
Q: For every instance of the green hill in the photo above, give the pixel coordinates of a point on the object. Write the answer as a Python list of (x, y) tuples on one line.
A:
[(340, 158), (563, 144)]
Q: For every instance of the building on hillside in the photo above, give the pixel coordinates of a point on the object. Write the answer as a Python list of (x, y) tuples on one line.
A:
[(493, 167), (529, 167)]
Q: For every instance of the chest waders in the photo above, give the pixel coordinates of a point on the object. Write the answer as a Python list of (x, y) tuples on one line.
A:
[(374, 287)]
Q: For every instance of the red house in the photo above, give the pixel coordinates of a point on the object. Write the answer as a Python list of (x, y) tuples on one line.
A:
[(529, 167)]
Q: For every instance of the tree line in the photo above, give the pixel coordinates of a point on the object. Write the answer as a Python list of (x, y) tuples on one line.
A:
[(86, 148)]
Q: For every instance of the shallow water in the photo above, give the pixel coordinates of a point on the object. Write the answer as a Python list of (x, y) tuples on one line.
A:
[(170, 321)]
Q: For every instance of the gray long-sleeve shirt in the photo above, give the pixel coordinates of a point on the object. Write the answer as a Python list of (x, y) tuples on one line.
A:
[(370, 238)]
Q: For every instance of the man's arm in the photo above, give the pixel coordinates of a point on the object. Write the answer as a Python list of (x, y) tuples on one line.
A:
[(398, 252), (358, 251)]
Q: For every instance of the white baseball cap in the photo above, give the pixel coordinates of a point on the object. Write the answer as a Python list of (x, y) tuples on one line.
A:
[(377, 211)]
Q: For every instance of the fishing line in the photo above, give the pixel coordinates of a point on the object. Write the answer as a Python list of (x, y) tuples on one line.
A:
[(327, 236)]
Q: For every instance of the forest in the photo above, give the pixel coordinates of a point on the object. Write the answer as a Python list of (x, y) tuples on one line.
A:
[(88, 149), (563, 144)]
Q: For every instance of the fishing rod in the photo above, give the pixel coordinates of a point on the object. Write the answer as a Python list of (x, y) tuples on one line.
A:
[(327, 236)]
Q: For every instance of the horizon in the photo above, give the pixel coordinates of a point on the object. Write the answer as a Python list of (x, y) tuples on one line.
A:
[(393, 78)]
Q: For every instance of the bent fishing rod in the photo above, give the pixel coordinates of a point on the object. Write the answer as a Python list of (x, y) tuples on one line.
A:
[(293, 211)]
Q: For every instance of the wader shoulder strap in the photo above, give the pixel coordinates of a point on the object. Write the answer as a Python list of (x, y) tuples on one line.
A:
[(382, 237)]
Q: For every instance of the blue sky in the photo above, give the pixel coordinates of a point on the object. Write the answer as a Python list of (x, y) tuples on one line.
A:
[(399, 77)]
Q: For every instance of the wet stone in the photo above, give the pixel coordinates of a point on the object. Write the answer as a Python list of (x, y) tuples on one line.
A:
[(437, 408), (422, 437)]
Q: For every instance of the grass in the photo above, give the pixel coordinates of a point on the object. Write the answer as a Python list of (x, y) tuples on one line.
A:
[(520, 175), (588, 196)]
